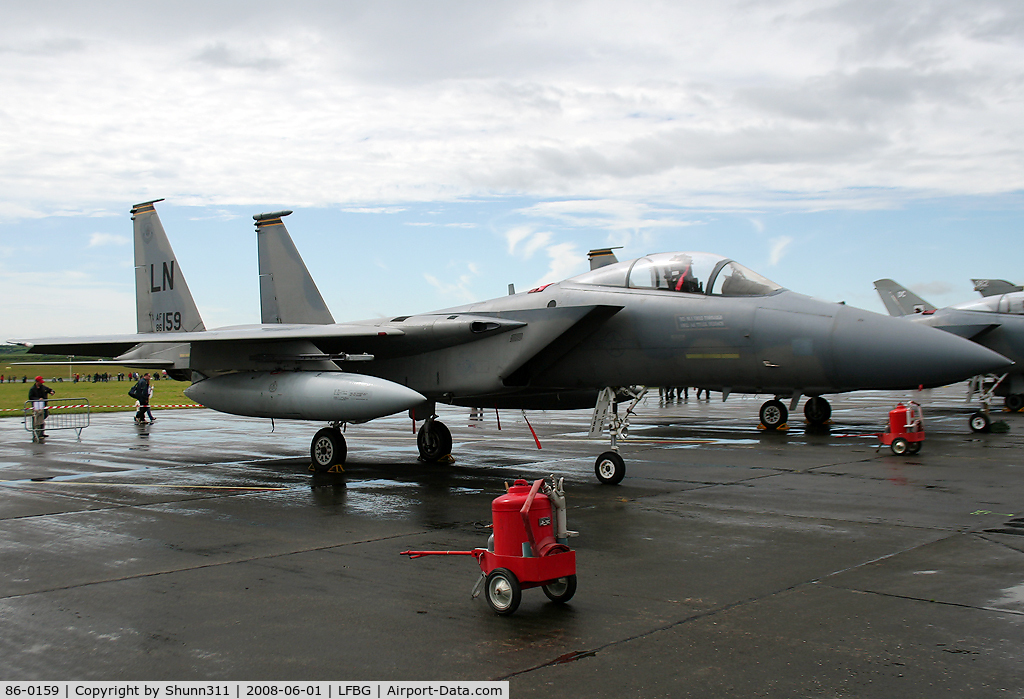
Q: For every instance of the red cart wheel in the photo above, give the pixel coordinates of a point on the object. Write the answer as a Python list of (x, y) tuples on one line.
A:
[(899, 446), (561, 590), (503, 591)]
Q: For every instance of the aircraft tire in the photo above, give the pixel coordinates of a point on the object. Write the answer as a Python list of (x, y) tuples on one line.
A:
[(817, 410), (899, 446), (774, 414), (609, 468), (434, 441), (503, 591), (561, 591), (328, 449), (1014, 402), (979, 422)]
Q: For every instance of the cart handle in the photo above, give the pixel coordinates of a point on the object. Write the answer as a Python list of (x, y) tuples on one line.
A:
[(420, 554)]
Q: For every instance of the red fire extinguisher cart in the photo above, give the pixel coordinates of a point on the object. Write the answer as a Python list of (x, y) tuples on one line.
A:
[(905, 433), (527, 549)]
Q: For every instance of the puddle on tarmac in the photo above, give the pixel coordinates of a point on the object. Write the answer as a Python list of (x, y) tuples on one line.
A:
[(1012, 598)]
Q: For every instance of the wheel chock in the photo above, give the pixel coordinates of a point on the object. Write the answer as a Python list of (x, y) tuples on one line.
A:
[(336, 468)]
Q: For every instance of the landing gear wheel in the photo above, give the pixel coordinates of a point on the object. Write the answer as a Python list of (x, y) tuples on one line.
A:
[(328, 449), (1014, 402), (434, 441), (561, 591), (914, 448), (774, 414), (899, 446), (817, 410), (503, 591), (610, 468), (979, 422)]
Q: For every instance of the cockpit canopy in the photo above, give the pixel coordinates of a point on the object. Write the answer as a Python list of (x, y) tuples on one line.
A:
[(686, 272)]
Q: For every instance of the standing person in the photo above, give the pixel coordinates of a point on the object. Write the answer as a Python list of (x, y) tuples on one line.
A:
[(140, 392), (38, 395), (149, 399)]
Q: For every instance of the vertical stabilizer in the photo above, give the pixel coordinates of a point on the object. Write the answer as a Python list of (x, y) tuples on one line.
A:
[(995, 287), (900, 301), (602, 257), (288, 293), (162, 299)]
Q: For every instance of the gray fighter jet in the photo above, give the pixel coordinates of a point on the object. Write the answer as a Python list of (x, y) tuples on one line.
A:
[(995, 321), (667, 319)]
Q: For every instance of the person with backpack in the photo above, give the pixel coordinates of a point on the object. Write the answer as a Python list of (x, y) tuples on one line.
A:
[(140, 392)]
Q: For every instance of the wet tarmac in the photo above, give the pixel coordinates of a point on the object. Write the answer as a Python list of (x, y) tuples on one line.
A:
[(729, 562)]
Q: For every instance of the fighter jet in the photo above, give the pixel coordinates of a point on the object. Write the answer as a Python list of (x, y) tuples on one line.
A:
[(666, 319), (995, 321)]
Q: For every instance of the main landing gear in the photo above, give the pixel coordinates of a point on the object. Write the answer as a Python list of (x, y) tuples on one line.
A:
[(434, 440), (328, 449), (774, 413), (817, 410)]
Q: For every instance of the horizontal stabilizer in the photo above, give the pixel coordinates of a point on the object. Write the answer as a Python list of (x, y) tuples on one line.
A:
[(899, 300)]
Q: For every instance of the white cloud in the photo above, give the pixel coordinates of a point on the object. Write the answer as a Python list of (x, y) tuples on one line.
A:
[(374, 209), (98, 239), (535, 242), (564, 260), (516, 235), (936, 288), (80, 295), (459, 287), (778, 249), (690, 103)]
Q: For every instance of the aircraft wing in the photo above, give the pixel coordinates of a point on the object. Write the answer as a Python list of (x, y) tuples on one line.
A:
[(971, 325), (135, 363), (384, 338), (114, 345)]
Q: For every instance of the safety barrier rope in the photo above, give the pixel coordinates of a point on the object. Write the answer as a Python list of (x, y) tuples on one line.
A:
[(126, 407)]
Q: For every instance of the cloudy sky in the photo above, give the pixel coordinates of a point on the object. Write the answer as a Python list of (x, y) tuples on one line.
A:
[(434, 152)]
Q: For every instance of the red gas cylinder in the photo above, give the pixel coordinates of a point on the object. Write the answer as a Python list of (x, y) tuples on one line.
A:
[(510, 530), (898, 419)]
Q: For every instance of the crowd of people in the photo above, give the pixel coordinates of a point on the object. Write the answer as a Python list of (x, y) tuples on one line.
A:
[(40, 393), (666, 393)]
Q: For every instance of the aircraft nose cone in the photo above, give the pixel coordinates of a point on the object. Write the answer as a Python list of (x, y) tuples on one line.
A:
[(880, 352)]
